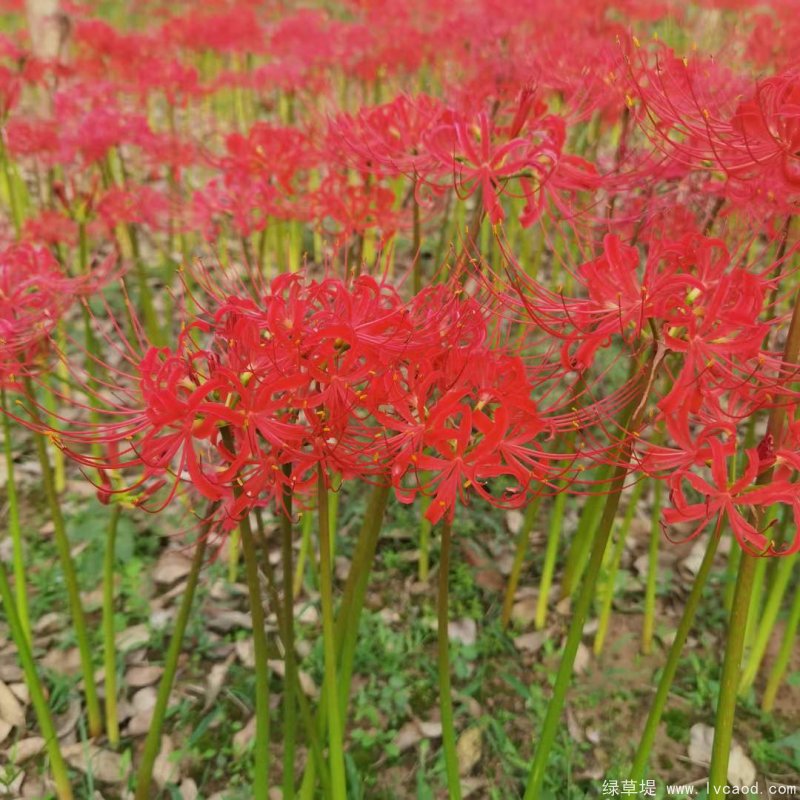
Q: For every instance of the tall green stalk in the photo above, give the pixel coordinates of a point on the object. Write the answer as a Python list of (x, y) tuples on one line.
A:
[(648, 621), (109, 644), (734, 646), (46, 727), (581, 542), (290, 659), (349, 614), (14, 528), (550, 553), (673, 658), (68, 568), (261, 769), (729, 681), (783, 573), (152, 744), (335, 735), (443, 666), (613, 567), (585, 597), (781, 663), (520, 550)]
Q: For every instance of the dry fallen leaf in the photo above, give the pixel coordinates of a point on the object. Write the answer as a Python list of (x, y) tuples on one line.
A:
[(228, 620), (246, 651), (105, 765), (693, 561), (27, 748), (741, 770), (11, 709), (415, 731), (216, 680), (133, 637), (188, 789), (34, 788), (463, 630), (21, 692), (13, 788), (166, 769), (583, 659), (306, 681), (65, 662), (242, 738), (523, 611), (143, 675), (514, 521), (139, 723), (66, 723), (469, 749), (50, 622), (171, 567), (5, 729), (144, 699), (530, 642)]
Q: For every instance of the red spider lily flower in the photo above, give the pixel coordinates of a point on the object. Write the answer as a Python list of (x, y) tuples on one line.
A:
[(230, 31), (701, 118), (478, 153), (354, 208), (389, 139), (723, 497), (34, 294), (51, 228)]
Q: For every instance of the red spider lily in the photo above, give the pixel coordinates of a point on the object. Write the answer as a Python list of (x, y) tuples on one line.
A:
[(388, 139), (701, 118), (721, 496), (480, 154), (34, 294), (354, 208)]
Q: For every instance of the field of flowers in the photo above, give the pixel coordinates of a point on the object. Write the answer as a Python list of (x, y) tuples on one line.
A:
[(399, 399)]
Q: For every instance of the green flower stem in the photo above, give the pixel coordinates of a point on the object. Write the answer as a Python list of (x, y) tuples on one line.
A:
[(12, 182), (585, 597), (423, 568), (333, 516), (109, 645), (581, 541), (416, 242), (783, 573), (355, 589), (290, 659), (756, 600), (261, 771), (734, 647), (673, 658), (335, 736), (648, 622), (68, 568), (729, 682), (521, 549), (152, 744), (14, 528), (613, 568), (57, 766), (551, 551), (280, 613), (234, 540), (784, 655), (732, 567), (306, 524), (443, 664), (349, 614)]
